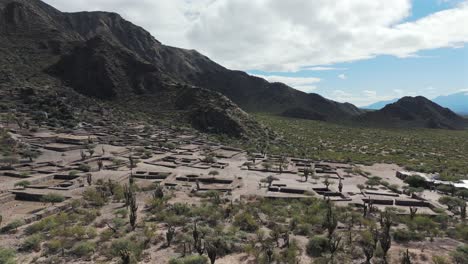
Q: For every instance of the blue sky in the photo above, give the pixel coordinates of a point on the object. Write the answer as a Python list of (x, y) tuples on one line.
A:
[(430, 73)]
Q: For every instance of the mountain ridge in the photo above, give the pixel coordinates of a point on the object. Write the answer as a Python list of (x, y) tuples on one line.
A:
[(457, 102), (414, 112), (186, 66)]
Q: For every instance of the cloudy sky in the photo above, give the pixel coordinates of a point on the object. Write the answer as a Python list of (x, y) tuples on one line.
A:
[(360, 51)]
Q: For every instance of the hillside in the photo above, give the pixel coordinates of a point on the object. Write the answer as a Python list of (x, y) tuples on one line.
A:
[(414, 112), (457, 102), (101, 55)]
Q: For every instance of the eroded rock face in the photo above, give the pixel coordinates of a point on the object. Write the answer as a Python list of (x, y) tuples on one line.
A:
[(215, 113), (100, 69), (101, 55), (183, 66)]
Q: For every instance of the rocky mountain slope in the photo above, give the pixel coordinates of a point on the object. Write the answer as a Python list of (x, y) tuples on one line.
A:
[(414, 112), (102, 55)]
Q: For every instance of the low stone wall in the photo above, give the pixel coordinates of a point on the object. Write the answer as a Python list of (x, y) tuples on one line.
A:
[(66, 177), (382, 194), (291, 190), (412, 203), (378, 201), (205, 180), (151, 175), (332, 194)]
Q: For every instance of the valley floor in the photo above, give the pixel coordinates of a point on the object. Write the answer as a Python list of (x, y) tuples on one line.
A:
[(73, 202)]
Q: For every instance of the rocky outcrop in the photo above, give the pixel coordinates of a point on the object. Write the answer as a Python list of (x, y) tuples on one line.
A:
[(215, 113)]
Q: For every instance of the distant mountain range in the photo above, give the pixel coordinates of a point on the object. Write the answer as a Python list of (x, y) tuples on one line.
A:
[(457, 102), (412, 112)]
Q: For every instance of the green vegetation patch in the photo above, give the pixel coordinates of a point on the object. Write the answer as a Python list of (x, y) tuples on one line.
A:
[(424, 150)]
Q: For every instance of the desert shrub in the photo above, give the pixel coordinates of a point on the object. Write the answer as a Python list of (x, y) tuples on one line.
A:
[(416, 181), (52, 198), (245, 222), (121, 212), (90, 215), (124, 244), (460, 231), (53, 246), (193, 259), (404, 235), (440, 260), (443, 188), (460, 255), (106, 235), (83, 249), (23, 184), (73, 173), (316, 246), (7, 256), (303, 229), (32, 243), (423, 223), (92, 196), (290, 254), (84, 168), (13, 225), (45, 224)]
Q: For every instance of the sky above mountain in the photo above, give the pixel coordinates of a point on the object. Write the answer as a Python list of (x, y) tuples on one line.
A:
[(359, 51)]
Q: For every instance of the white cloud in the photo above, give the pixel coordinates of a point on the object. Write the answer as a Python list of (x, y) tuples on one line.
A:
[(368, 93), (362, 98), (399, 92), (305, 84), (279, 35), (342, 76), (322, 68)]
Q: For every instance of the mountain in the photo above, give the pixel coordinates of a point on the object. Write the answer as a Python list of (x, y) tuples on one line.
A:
[(412, 112), (103, 56), (457, 102), (379, 105)]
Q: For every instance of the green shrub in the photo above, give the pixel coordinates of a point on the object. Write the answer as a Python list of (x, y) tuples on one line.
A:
[(193, 259), (52, 198), (83, 249), (45, 224), (92, 196), (245, 222), (23, 184), (119, 245), (7, 256), (416, 181), (404, 235), (460, 255), (32, 243), (13, 225), (84, 168), (316, 246), (53, 246), (106, 235)]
